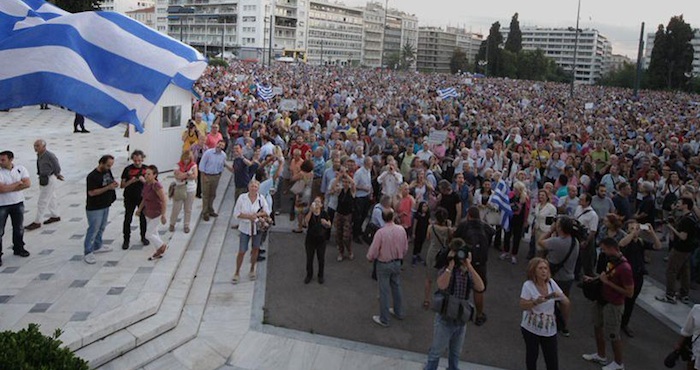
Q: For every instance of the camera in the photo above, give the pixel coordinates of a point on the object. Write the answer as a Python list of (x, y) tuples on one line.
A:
[(549, 220), (461, 255)]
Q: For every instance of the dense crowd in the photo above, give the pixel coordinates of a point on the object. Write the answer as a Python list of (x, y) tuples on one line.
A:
[(361, 152), (361, 156)]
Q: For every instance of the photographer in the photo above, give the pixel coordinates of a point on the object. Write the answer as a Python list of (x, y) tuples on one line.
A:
[(682, 244), (457, 279), (688, 347), (561, 252)]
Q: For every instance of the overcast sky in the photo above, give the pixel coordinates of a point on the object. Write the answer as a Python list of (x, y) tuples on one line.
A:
[(618, 20)]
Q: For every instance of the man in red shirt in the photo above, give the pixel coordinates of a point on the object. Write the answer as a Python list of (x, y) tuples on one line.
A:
[(618, 284), (301, 145)]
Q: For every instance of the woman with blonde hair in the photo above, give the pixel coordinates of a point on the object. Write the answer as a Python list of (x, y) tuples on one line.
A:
[(539, 324), (185, 184)]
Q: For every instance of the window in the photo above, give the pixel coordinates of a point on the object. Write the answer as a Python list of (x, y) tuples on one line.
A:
[(172, 116), (249, 19)]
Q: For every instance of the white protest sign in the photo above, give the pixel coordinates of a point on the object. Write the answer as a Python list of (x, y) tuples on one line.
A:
[(468, 81), (524, 103), (241, 78), (277, 90), (437, 137), (288, 105), (588, 106)]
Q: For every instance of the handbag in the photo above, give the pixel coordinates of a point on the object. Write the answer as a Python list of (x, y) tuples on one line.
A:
[(171, 189), (441, 256), (298, 187), (451, 307), (180, 192), (593, 289), (262, 224)]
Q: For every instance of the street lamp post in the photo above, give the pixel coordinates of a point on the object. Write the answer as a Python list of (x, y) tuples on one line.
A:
[(573, 68), (381, 55)]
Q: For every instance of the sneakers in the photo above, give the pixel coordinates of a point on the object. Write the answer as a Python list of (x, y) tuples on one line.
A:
[(666, 299), (340, 258), (481, 320), (379, 322), (104, 249), (593, 357), (351, 257), (90, 259), (235, 279), (685, 299), (614, 366), (513, 260), (565, 332), (503, 256), (391, 311)]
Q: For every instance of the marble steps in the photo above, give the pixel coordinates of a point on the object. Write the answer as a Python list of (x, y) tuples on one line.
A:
[(160, 302), (183, 320)]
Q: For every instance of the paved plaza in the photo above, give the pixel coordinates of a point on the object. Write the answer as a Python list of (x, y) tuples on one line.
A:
[(182, 312)]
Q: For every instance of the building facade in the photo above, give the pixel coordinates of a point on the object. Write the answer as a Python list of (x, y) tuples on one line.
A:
[(386, 33), (123, 6), (435, 49), (468, 42), (618, 61), (593, 56), (335, 34), (146, 16), (649, 46)]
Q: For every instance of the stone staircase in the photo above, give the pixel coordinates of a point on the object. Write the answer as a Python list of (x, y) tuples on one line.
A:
[(168, 312)]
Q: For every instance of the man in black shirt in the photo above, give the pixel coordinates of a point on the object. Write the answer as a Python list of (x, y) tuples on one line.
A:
[(646, 212), (450, 201), (621, 200), (133, 178), (682, 244), (100, 196)]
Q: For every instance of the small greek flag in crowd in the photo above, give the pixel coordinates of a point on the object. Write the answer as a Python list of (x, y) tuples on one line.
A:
[(448, 92), (265, 92), (103, 65), (501, 200)]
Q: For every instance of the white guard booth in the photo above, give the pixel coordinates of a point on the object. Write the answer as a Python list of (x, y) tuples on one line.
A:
[(161, 139)]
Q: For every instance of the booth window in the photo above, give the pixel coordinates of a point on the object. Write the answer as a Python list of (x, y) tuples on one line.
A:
[(171, 116)]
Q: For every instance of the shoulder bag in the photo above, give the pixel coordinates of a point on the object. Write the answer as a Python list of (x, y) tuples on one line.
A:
[(593, 289)]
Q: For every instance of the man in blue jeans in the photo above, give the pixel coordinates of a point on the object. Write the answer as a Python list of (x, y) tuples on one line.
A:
[(458, 278), (100, 196), (388, 247), (13, 179)]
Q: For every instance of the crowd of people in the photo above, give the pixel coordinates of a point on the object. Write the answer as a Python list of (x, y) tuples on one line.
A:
[(357, 156)]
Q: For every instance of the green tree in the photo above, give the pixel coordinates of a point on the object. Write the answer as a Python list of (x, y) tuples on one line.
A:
[(408, 56), (658, 69), (508, 64), (623, 77), (76, 6), (514, 43), (671, 62), (493, 49), (393, 60), (459, 61)]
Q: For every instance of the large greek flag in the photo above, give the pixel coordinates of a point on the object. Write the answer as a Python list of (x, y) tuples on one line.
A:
[(448, 92), (103, 65), (265, 92), (501, 200)]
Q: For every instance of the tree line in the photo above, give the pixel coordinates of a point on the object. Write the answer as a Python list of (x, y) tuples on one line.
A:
[(671, 63)]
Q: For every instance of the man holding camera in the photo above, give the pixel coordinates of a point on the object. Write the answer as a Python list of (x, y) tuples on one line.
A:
[(479, 236), (682, 244), (389, 246), (457, 279)]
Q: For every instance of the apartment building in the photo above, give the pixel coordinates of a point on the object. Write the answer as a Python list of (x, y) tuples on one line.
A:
[(146, 16), (123, 6), (335, 34), (593, 56), (435, 48), (467, 41)]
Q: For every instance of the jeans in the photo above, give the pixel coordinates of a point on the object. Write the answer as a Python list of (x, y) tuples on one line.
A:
[(532, 350), (359, 215), (130, 206), (16, 214), (389, 278), (97, 221), (446, 335), (678, 268)]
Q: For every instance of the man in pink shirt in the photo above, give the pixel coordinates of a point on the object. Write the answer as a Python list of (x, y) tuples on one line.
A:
[(388, 248)]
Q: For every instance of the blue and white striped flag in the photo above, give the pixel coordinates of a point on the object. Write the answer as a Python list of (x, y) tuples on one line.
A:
[(501, 200), (448, 92), (103, 65), (265, 92)]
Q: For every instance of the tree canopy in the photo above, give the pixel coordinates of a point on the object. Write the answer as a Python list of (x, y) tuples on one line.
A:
[(514, 42), (76, 6), (671, 63)]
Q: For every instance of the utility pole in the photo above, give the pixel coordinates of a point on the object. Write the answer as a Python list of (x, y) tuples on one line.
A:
[(206, 35), (223, 47), (638, 76), (486, 66), (181, 27), (321, 62), (269, 51), (573, 68), (381, 55)]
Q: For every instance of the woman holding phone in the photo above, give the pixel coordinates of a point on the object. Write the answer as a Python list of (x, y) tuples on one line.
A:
[(539, 323), (317, 223)]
